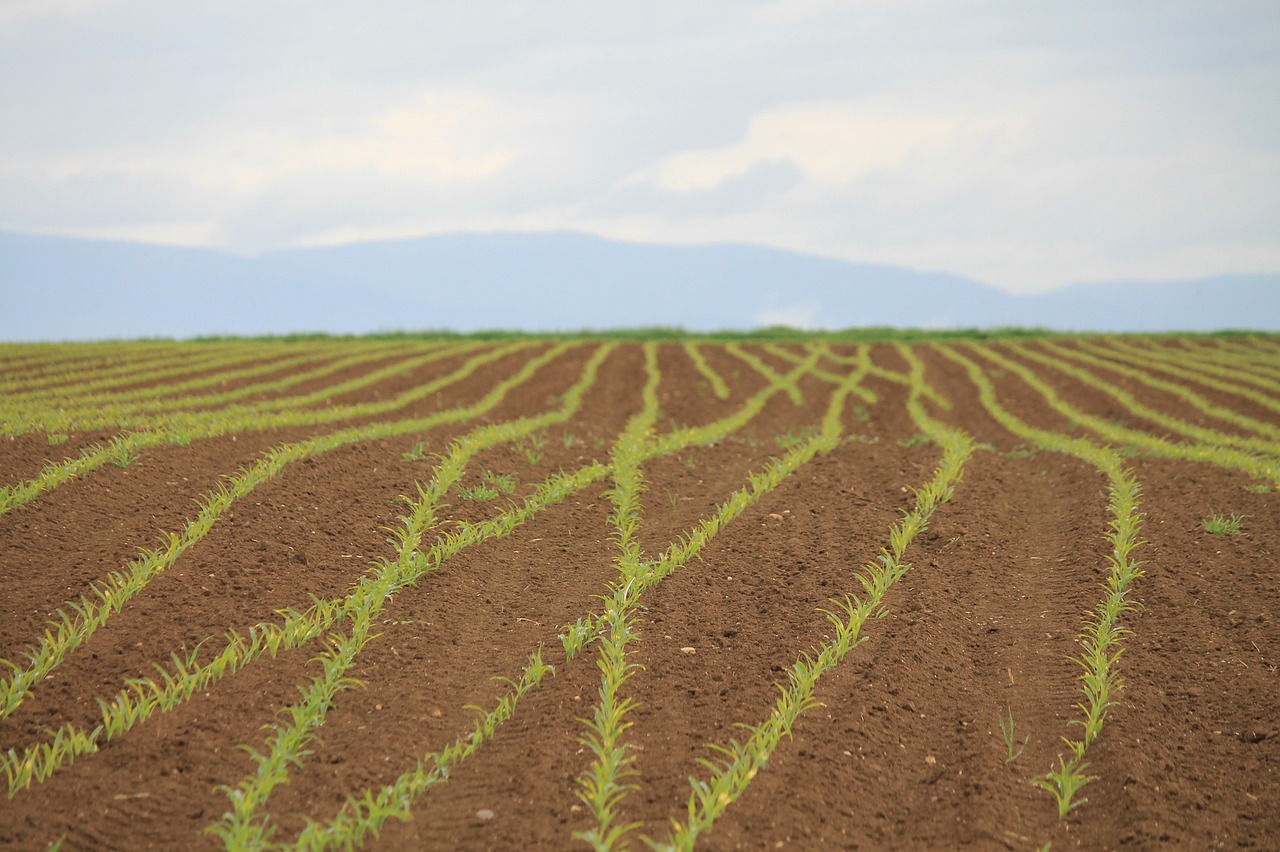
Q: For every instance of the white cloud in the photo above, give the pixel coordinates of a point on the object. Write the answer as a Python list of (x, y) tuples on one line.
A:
[(1018, 144), (831, 143), (440, 138), (166, 233)]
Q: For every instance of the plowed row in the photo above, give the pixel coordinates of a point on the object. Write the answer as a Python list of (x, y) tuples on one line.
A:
[(546, 594)]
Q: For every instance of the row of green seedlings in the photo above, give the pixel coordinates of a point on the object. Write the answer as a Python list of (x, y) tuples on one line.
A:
[(55, 415), (37, 762), (904, 379), (69, 631), (1178, 389), (1264, 468), (182, 430), (1100, 641), (76, 621), (48, 413), (1173, 424), (741, 761), (91, 377), (770, 375), (121, 384), (243, 827), (1231, 378), (364, 814), (27, 362), (69, 410), (142, 697), (1233, 373), (1255, 355), (718, 386), (604, 785), (126, 447), (861, 363)]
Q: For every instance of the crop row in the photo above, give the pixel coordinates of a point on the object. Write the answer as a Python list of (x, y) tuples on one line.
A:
[(78, 395)]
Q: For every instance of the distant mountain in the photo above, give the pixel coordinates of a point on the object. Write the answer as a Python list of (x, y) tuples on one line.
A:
[(55, 288)]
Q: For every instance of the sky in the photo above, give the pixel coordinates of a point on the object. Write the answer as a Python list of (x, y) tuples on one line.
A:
[(1026, 145)]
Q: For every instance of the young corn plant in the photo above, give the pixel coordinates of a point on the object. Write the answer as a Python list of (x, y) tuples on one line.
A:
[(1223, 524), (1065, 782), (418, 452), (1008, 730)]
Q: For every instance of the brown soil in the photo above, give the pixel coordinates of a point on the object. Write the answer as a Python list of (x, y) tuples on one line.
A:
[(905, 750)]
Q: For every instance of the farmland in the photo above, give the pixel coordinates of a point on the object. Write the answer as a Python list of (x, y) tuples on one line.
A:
[(554, 593)]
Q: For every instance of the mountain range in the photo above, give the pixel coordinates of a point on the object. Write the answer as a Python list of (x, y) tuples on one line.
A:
[(63, 288)]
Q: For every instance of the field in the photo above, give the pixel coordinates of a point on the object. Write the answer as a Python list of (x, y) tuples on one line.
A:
[(471, 593)]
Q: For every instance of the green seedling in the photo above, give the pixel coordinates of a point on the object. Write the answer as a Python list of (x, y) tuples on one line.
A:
[(1222, 525), (914, 441), (792, 439), (1258, 489), (1013, 748), (505, 483), (417, 453), (479, 492), (56, 438), (1064, 782), (120, 453)]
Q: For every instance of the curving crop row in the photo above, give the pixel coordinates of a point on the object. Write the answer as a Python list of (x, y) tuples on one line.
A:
[(1259, 467), (78, 620), (1100, 640)]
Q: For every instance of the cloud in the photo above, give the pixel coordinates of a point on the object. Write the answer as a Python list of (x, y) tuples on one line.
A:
[(829, 143), (1018, 144)]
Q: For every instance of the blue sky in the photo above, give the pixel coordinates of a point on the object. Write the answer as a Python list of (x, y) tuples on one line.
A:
[(1026, 145)]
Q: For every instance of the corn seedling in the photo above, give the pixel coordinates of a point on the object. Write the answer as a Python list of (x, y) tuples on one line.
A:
[(1065, 782), (1013, 748), (418, 452), (1222, 524), (791, 439), (504, 482), (478, 492)]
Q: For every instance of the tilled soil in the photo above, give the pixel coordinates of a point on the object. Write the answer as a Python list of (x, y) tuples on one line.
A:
[(904, 750)]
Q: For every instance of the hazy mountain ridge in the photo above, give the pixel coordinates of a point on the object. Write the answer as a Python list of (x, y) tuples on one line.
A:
[(66, 288)]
